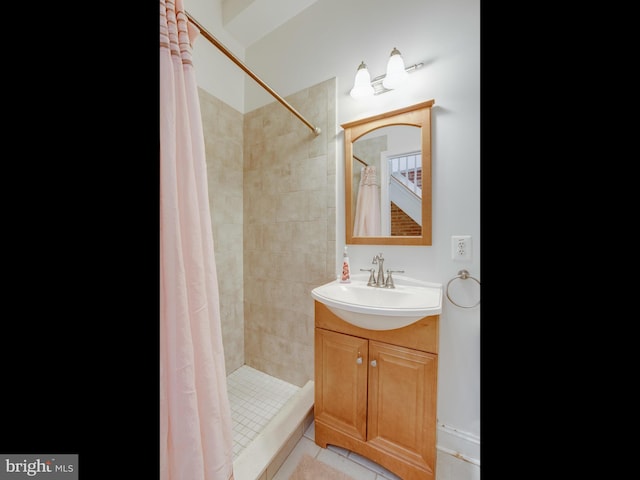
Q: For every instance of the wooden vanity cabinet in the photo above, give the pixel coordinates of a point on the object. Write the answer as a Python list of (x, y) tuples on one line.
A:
[(375, 392)]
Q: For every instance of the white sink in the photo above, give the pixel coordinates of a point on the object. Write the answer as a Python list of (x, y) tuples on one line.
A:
[(377, 308)]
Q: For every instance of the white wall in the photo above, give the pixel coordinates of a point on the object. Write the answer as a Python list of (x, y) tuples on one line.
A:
[(329, 39), (215, 73)]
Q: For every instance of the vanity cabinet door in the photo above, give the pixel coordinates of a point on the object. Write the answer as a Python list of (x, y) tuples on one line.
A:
[(341, 382), (402, 403)]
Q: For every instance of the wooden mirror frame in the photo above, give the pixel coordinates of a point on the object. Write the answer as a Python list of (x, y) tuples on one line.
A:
[(418, 115)]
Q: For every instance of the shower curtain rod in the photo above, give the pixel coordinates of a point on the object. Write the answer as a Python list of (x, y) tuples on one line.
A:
[(246, 69), (361, 161)]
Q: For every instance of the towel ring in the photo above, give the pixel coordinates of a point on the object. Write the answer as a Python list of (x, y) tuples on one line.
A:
[(462, 274)]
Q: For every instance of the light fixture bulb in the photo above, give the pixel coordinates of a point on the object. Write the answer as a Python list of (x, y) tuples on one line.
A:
[(362, 83), (396, 73)]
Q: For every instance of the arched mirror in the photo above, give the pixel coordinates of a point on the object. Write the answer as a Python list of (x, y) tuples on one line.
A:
[(388, 177)]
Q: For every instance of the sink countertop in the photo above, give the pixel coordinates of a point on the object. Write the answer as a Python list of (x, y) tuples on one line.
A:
[(378, 308)]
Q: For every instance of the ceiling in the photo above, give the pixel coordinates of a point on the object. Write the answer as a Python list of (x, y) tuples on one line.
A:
[(250, 20)]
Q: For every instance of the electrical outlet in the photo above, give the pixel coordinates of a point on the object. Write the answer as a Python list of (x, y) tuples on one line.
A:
[(461, 247)]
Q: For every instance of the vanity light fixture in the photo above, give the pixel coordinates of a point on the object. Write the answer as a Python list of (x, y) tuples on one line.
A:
[(396, 75), (362, 84)]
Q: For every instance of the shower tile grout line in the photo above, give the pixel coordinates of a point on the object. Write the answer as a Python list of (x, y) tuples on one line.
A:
[(255, 398)]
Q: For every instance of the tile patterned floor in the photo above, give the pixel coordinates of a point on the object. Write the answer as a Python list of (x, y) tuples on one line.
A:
[(255, 398), (354, 465)]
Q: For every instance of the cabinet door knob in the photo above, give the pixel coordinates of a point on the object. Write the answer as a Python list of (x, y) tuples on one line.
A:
[(374, 363), (359, 360)]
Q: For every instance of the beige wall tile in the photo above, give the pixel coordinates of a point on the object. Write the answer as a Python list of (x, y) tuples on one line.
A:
[(272, 198), (222, 126)]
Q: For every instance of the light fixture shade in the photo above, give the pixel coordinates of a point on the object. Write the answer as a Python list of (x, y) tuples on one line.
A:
[(362, 83), (396, 73)]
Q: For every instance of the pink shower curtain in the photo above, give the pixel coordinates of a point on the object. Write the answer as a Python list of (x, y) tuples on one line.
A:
[(367, 221), (196, 440)]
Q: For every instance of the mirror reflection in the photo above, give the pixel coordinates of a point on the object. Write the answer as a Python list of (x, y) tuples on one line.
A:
[(388, 180)]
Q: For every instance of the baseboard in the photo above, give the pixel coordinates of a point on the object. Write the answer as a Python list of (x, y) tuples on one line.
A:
[(459, 444)]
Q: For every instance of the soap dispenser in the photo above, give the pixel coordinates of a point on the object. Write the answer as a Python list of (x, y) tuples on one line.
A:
[(345, 276)]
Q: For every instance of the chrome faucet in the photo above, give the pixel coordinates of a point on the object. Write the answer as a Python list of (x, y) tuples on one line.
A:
[(372, 276), (389, 281), (379, 260)]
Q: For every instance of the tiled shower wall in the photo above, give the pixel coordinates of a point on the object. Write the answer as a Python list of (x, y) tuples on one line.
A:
[(289, 234), (272, 196), (222, 126)]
